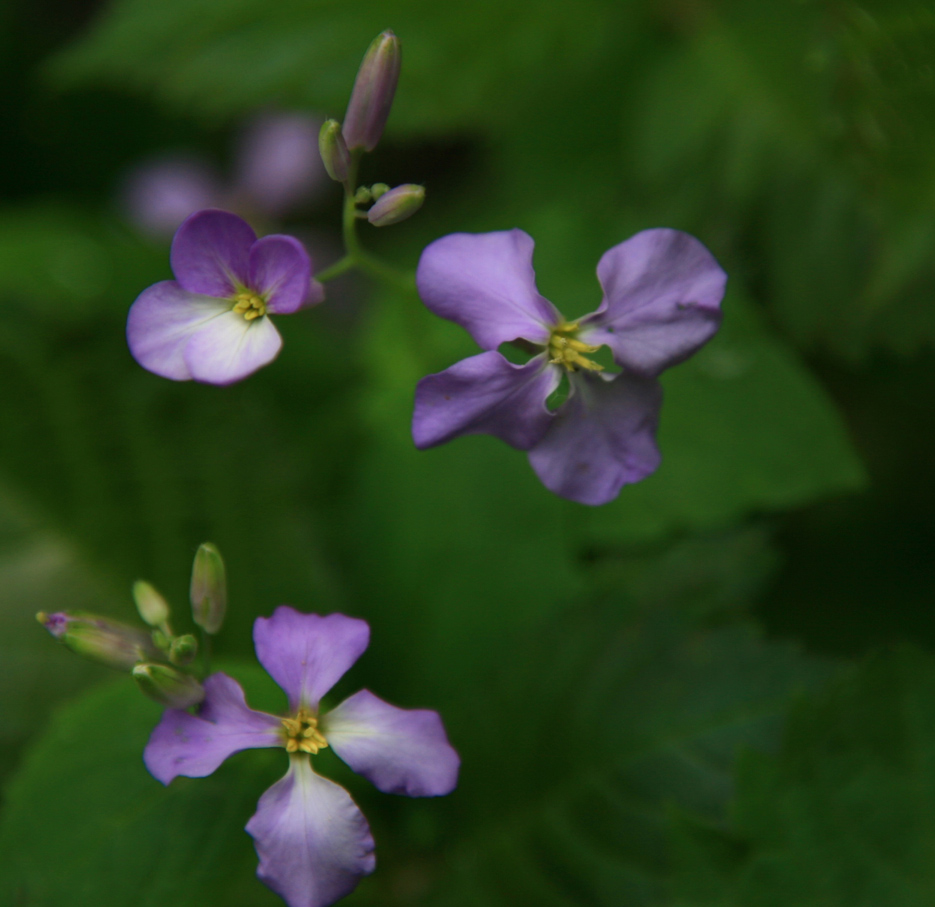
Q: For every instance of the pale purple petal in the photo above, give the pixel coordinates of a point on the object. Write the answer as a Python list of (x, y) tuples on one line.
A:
[(402, 751), (210, 253), (195, 745), (485, 283), (603, 437), (306, 654), (161, 323), (662, 295), (159, 194), (281, 272), (485, 394), (278, 166), (230, 348), (313, 842)]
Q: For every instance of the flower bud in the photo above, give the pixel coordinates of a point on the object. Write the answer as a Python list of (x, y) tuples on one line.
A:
[(152, 606), (106, 641), (333, 150), (378, 189), (166, 685), (396, 205), (372, 97), (183, 649), (208, 588)]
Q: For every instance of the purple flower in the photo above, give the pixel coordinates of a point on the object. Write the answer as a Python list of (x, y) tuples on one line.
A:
[(211, 322), (276, 169), (313, 842), (662, 291)]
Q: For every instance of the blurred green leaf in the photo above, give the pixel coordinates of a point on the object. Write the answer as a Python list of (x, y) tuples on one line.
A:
[(593, 728), (843, 814), (84, 824)]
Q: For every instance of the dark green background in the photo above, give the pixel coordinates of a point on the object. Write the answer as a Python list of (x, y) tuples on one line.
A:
[(718, 689)]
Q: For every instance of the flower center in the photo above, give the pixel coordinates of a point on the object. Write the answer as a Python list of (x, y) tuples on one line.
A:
[(249, 305), (301, 733), (565, 349)]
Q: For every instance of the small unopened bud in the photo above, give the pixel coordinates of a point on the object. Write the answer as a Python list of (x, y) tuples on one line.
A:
[(333, 150), (153, 608), (106, 641), (378, 189), (362, 195), (372, 97), (396, 205), (208, 588), (166, 685), (183, 649)]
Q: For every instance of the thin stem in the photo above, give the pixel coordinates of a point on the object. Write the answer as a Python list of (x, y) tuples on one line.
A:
[(205, 651), (342, 266)]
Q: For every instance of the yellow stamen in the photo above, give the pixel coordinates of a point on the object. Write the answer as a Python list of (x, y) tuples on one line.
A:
[(301, 733), (566, 350), (249, 305)]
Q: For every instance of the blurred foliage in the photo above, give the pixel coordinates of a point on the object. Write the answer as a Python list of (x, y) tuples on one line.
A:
[(600, 670), (843, 813)]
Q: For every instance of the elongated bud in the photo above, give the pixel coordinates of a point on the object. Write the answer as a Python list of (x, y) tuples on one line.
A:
[(396, 205), (153, 608), (183, 649), (209, 588), (166, 685), (372, 97), (106, 641), (333, 150)]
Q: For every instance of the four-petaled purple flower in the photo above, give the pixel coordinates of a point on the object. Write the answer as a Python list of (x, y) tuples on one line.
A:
[(211, 322), (313, 842), (662, 292)]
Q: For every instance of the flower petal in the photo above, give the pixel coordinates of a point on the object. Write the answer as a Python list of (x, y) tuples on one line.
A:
[(210, 253), (402, 751), (485, 394), (162, 321), (230, 348), (603, 437), (662, 292), (313, 842), (281, 271), (278, 165), (195, 745), (306, 654), (485, 283)]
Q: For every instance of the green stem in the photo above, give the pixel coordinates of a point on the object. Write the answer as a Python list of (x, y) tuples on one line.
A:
[(205, 651), (340, 267)]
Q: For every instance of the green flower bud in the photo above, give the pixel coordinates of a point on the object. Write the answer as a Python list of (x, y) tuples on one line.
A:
[(209, 588), (378, 189), (106, 641), (167, 686), (362, 195), (372, 97), (333, 150), (152, 606), (183, 649), (396, 205)]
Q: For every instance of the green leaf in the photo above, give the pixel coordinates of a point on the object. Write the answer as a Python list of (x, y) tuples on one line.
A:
[(573, 753), (84, 823), (843, 814)]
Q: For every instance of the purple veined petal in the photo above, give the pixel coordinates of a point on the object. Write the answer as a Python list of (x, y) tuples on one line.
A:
[(230, 348), (603, 437), (314, 844), (195, 745), (281, 272), (401, 751), (210, 253), (278, 166), (662, 295), (485, 394), (162, 321), (485, 283), (307, 654)]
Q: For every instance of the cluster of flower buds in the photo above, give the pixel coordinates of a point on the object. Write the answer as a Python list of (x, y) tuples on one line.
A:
[(158, 660), (367, 112)]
